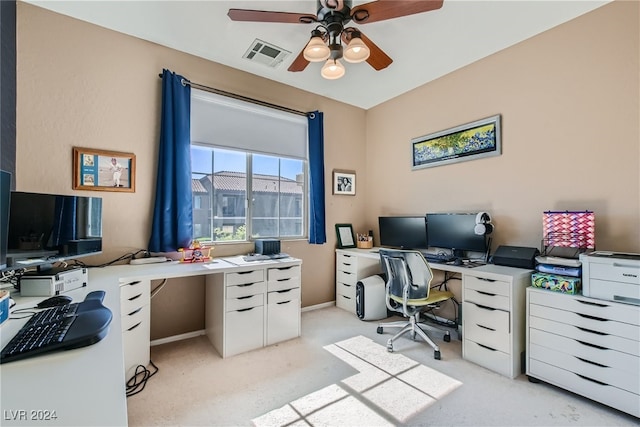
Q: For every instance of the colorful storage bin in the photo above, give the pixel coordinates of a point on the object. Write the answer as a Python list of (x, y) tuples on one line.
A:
[(557, 283)]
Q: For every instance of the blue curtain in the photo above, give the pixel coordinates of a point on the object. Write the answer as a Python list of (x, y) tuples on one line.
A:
[(317, 231), (172, 217)]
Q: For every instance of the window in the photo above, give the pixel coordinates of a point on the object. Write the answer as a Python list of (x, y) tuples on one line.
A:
[(246, 184)]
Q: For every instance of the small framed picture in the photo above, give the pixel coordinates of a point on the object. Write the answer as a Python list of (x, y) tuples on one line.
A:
[(346, 238), (344, 182), (103, 170)]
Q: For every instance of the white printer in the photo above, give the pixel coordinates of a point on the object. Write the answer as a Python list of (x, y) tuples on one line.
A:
[(613, 276)]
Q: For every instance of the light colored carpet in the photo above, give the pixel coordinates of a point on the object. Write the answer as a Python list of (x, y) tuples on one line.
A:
[(338, 373)]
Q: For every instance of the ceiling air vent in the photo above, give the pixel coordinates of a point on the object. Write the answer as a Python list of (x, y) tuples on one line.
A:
[(266, 53)]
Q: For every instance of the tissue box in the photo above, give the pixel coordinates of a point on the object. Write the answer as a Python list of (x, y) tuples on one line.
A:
[(557, 283), (4, 306)]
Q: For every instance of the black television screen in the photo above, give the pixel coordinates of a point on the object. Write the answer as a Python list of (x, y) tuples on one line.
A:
[(454, 231), (44, 228), (406, 232), (5, 195)]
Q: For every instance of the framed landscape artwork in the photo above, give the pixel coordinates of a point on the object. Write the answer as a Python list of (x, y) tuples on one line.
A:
[(103, 170), (470, 141)]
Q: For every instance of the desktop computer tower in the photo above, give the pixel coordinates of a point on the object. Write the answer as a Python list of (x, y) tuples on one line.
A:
[(370, 298)]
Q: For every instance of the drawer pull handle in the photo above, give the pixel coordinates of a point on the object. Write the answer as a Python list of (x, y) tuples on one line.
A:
[(487, 347), (485, 279), (244, 272), (134, 326), (133, 283), (245, 309), (246, 297), (587, 316), (283, 302), (284, 280), (285, 268), (589, 361), (346, 263), (484, 307), (346, 297), (485, 327), (486, 293), (347, 272), (591, 331), (134, 312), (588, 344), (592, 303), (284, 291), (246, 284), (135, 297), (591, 379)]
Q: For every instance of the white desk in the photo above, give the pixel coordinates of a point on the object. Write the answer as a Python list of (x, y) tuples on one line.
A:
[(493, 306), (86, 386)]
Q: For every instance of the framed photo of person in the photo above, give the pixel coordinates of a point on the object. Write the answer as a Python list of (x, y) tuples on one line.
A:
[(344, 182), (103, 170)]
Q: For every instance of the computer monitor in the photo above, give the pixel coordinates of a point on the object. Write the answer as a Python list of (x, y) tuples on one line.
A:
[(406, 232), (454, 231), (46, 228)]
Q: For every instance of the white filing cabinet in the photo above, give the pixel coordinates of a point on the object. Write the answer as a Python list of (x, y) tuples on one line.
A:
[(135, 297), (350, 268), (283, 304), (493, 317), (585, 345)]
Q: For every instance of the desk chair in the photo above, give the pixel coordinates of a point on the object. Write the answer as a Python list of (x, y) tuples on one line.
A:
[(408, 291)]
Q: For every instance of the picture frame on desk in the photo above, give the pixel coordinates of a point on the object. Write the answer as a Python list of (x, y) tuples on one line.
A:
[(103, 170), (346, 238), (475, 140)]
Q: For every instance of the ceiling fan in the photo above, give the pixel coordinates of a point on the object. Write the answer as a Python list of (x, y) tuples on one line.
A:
[(327, 38)]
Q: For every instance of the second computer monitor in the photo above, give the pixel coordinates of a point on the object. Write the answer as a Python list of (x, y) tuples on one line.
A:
[(406, 232), (455, 231)]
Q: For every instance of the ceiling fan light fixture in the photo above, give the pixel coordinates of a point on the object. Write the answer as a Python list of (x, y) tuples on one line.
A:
[(316, 50), (332, 69), (356, 51)]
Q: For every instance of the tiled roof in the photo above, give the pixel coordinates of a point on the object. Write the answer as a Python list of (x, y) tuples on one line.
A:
[(197, 187), (236, 181)]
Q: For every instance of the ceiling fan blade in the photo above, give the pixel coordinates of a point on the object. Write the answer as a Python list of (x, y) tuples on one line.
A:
[(387, 9), (299, 64), (268, 16), (377, 58)]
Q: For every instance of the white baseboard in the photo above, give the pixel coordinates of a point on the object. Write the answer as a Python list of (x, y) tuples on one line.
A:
[(178, 337), (318, 306)]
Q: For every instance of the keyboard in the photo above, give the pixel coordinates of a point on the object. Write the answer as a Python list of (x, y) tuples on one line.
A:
[(64, 327), (261, 257), (431, 257)]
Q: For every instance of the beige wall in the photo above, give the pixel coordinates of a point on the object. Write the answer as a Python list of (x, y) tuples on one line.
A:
[(568, 99), (570, 133)]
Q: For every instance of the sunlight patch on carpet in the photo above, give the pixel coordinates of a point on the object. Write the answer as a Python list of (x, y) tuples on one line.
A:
[(388, 388)]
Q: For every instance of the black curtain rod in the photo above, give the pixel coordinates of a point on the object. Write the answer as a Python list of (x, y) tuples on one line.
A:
[(240, 97)]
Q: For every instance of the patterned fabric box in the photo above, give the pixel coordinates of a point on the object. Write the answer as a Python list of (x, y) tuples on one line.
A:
[(557, 283)]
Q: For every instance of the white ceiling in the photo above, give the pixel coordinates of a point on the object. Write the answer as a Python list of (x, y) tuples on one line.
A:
[(423, 47)]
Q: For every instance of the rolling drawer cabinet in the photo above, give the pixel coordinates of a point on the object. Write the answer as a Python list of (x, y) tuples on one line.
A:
[(350, 268), (283, 304), (135, 297), (493, 317), (588, 346)]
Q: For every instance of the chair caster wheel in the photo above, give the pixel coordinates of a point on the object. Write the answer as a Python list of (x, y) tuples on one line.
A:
[(390, 347), (436, 354), (379, 330), (447, 338)]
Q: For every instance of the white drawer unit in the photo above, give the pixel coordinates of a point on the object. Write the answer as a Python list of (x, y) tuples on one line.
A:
[(283, 304), (136, 324), (350, 268), (249, 309), (588, 346), (493, 317)]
